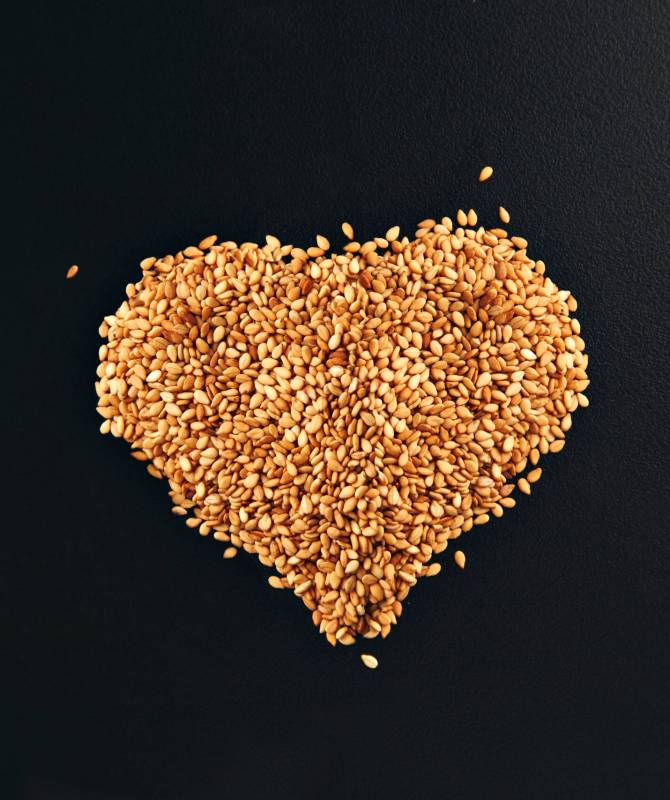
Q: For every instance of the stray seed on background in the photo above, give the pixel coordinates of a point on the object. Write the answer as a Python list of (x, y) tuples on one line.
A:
[(74, 269), (369, 661), (230, 552), (503, 213), (459, 558), (534, 475), (485, 174)]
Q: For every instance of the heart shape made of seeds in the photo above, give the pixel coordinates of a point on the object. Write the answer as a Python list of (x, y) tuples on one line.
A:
[(343, 416)]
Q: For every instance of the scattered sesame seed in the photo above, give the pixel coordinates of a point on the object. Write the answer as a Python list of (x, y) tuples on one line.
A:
[(523, 485), (534, 475), (392, 233)]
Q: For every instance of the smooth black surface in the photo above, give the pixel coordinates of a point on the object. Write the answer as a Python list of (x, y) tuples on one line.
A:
[(140, 664)]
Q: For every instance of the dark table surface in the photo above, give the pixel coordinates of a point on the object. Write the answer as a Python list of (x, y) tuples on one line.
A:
[(140, 664)]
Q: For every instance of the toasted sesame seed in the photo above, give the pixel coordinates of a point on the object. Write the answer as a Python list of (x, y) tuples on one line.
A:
[(534, 475), (322, 242), (347, 230), (230, 552), (72, 271), (392, 233), (459, 558), (369, 661), (503, 213), (523, 485), (461, 217), (207, 242), (485, 174)]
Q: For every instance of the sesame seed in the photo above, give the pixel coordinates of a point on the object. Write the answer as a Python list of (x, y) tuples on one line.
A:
[(485, 174), (207, 242), (369, 661), (523, 485)]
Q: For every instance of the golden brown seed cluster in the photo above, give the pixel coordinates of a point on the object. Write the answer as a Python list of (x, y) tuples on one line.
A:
[(343, 416)]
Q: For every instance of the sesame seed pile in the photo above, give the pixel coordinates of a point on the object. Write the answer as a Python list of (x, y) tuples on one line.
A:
[(343, 416)]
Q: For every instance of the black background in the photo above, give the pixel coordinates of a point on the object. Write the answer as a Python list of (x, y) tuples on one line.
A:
[(141, 665)]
